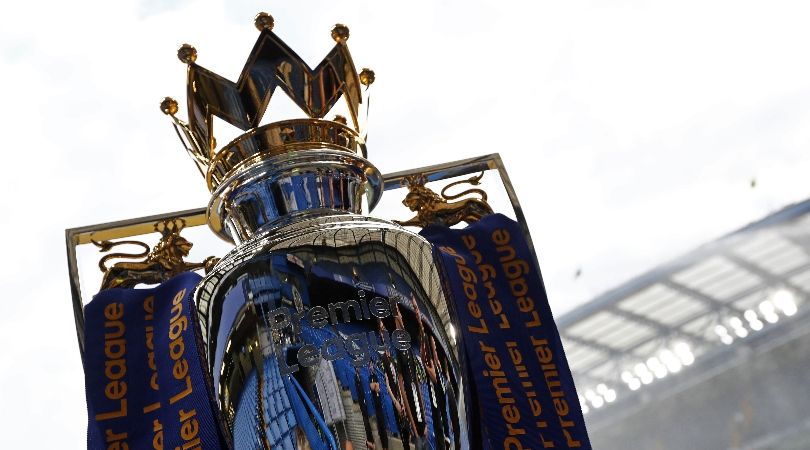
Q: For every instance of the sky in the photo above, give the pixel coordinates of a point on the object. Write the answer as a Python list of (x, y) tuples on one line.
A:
[(632, 131)]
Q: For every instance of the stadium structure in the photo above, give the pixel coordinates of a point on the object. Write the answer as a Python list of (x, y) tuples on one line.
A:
[(708, 351)]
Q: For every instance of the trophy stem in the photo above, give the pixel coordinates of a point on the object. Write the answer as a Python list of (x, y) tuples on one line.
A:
[(272, 191)]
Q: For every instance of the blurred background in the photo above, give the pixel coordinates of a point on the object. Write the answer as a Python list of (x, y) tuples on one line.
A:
[(659, 151)]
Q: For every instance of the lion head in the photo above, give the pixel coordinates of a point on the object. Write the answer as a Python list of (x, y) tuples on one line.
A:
[(419, 197), (172, 247)]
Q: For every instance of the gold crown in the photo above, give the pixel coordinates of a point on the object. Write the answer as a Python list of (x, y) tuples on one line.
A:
[(271, 64)]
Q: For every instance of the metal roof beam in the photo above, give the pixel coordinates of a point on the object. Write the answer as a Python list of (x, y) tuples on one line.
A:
[(585, 380), (663, 329), (594, 345), (799, 240), (769, 277), (713, 303)]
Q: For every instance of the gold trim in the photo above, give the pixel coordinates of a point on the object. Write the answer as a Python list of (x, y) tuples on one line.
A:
[(437, 209), (161, 262), (278, 138), (264, 21), (135, 229), (271, 64)]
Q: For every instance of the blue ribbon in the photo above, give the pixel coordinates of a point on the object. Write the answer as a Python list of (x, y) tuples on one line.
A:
[(147, 385), (522, 390)]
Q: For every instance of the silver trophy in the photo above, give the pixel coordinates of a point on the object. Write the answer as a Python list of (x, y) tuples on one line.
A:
[(323, 328)]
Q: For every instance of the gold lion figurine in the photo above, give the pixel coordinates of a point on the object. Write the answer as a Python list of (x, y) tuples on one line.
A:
[(162, 262), (436, 209)]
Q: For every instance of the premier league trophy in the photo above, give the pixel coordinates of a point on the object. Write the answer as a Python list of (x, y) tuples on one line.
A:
[(323, 328)]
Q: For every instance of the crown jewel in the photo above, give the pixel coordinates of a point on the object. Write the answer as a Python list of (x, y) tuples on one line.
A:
[(271, 65)]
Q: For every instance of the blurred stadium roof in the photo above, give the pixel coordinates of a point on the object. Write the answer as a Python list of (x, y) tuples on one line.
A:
[(675, 324)]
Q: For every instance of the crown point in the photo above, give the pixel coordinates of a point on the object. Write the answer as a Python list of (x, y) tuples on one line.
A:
[(187, 54), (169, 106), (366, 76), (264, 21), (340, 33), (340, 119)]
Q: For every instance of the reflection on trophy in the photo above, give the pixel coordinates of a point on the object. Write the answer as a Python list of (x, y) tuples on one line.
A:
[(323, 328)]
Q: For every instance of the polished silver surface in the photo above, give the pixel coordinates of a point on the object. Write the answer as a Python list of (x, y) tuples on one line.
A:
[(332, 331), (324, 328), (291, 185)]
